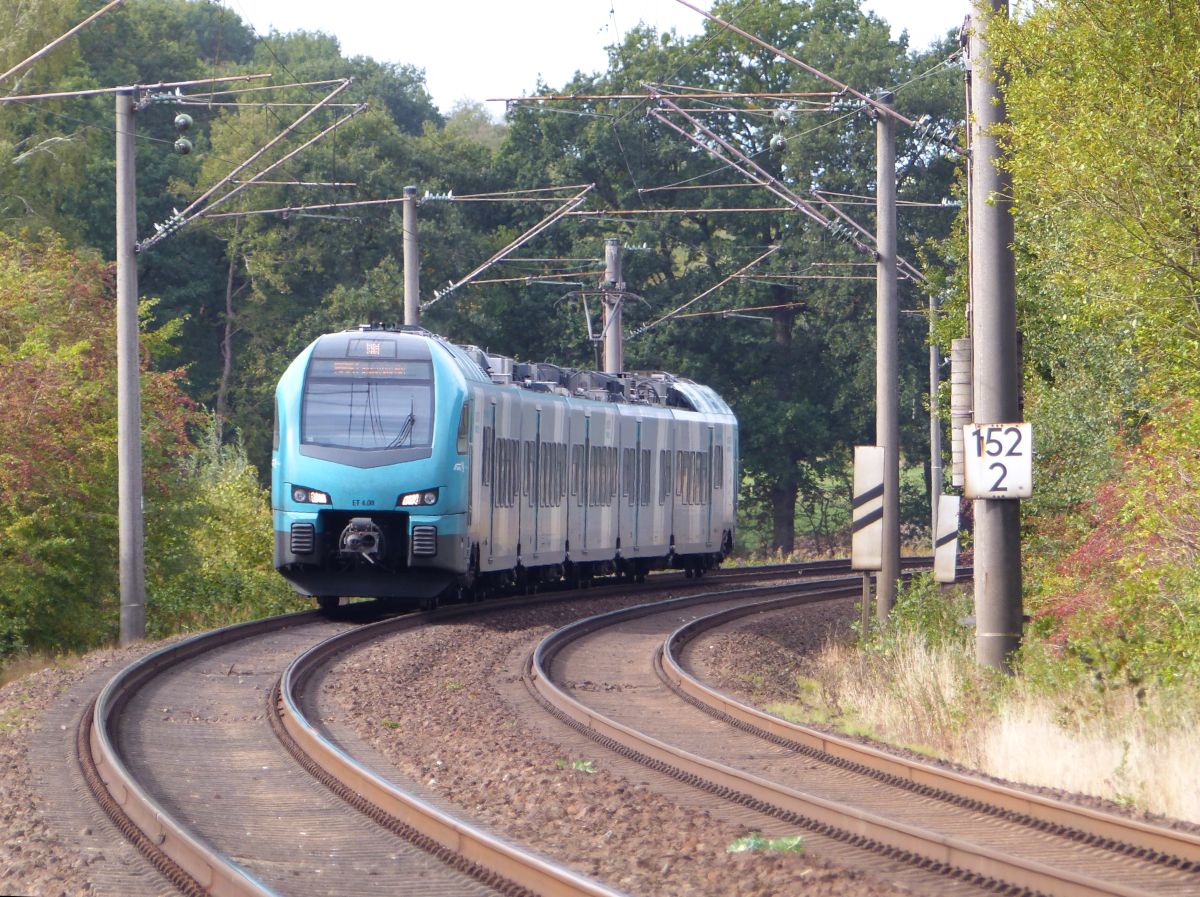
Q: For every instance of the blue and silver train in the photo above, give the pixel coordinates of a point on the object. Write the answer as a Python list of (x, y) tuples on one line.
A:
[(406, 467)]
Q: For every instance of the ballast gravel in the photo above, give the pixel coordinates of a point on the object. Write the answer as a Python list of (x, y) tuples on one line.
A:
[(38, 856), (438, 703)]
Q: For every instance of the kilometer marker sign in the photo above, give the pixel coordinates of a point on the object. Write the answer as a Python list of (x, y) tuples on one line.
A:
[(998, 460)]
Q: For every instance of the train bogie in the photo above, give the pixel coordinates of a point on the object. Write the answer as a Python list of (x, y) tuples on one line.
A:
[(407, 467)]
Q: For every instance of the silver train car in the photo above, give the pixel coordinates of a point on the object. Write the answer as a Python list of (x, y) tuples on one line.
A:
[(409, 468)]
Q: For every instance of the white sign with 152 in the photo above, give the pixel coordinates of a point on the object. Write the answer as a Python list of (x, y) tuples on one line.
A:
[(999, 460)]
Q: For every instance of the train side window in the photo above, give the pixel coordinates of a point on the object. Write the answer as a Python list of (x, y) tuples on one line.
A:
[(513, 485), (577, 473), (628, 474), (498, 490), (718, 466), (664, 475), (613, 471), (593, 475), (562, 472), (531, 486), (644, 476), (485, 457), (464, 428)]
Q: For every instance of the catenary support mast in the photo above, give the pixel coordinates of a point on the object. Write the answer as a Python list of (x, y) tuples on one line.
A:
[(130, 524), (412, 260), (998, 613), (887, 367), (614, 289)]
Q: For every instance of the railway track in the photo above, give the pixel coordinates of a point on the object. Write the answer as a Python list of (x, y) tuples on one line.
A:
[(192, 752), (199, 749), (619, 678)]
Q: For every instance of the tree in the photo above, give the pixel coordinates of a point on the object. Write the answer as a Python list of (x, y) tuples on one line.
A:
[(58, 445), (802, 385)]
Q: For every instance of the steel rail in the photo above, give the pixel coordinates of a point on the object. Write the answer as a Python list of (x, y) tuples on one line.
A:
[(189, 862), (1173, 847), (528, 872), (194, 866), (955, 856), (481, 853)]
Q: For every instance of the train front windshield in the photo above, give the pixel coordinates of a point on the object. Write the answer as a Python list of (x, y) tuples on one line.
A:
[(368, 404)]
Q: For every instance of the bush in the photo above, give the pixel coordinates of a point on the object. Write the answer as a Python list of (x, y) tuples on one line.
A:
[(211, 558)]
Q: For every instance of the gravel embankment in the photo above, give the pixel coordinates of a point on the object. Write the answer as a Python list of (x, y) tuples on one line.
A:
[(440, 705), (37, 856), (445, 706)]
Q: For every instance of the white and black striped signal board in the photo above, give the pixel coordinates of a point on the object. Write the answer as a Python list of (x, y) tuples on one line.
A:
[(866, 509)]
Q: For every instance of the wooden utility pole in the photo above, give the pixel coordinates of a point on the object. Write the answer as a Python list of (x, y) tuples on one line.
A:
[(887, 350), (998, 612), (130, 521)]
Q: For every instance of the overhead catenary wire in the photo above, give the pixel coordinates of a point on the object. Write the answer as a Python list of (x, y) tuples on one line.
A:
[(190, 212), (732, 312), (669, 315), (878, 107), (569, 206), (747, 166), (127, 88), (50, 47)]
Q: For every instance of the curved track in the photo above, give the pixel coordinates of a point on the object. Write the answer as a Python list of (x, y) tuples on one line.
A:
[(954, 834), (193, 751), (214, 800)]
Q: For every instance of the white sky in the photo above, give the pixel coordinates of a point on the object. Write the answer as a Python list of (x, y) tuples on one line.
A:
[(477, 49)]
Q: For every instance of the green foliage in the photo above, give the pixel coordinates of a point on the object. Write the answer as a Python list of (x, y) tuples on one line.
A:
[(758, 842), (1124, 605), (576, 765), (935, 614), (210, 561), (58, 446)]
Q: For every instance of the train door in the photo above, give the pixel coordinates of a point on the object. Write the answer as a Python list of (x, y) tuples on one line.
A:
[(573, 535), (585, 489), (535, 489), (487, 477), (506, 483), (708, 490), (637, 485)]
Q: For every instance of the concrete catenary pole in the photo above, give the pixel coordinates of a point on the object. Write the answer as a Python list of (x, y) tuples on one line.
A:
[(130, 524), (614, 286), (935, 423), (887, 367), (998, 613), (412, 260)]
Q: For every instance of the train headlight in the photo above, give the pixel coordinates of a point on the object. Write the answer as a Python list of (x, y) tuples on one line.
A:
[(306, 496), (416, 499)]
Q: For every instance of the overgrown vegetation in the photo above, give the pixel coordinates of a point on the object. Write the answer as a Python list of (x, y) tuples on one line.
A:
[(914, 682), (236, 299), (208, 528), (1104, 142)]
